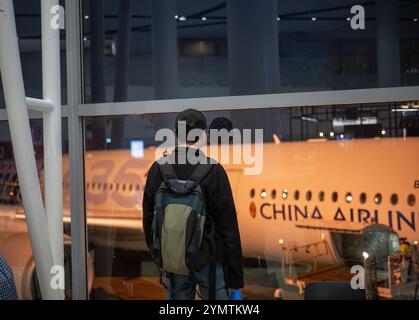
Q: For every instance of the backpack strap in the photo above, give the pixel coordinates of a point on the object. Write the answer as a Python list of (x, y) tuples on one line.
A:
[(200, 173), (167, 172)]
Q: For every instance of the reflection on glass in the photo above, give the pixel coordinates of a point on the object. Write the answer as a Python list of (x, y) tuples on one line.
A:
[(327, 174)]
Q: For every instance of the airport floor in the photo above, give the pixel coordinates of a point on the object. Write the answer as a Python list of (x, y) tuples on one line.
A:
[(134, 276)]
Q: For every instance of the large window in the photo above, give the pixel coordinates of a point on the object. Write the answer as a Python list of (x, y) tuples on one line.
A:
[(143, 50), (336, 157)]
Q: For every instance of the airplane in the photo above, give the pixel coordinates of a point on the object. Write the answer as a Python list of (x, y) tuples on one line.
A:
[(311, 195)]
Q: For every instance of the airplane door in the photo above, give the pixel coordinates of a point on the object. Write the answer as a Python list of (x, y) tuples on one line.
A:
[(234, 177)]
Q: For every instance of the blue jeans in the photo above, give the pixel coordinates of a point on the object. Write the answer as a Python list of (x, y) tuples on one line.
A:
[(185, 286)]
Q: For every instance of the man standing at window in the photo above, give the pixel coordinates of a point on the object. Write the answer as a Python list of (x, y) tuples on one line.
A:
[(219, 206)]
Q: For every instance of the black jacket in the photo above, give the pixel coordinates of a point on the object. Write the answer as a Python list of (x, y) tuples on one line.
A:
[(219, 204)]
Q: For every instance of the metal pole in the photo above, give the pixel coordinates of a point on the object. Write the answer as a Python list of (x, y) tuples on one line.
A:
[(388, 43), (14, 93), (75, 137), (164, 49), (51, 84), (121, 68), (123, 50)]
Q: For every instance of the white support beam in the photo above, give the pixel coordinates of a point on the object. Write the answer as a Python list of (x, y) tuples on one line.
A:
[(51, 84), (40, 105), (281, 100), (17, 112)]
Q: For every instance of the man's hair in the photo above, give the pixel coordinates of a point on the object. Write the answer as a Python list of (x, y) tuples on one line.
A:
[(193, 119)]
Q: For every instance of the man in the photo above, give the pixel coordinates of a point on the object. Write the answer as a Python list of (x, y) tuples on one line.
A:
[(7, 282), (219, 206)]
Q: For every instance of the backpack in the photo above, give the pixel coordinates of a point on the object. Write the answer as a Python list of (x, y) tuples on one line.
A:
[(179, 219)]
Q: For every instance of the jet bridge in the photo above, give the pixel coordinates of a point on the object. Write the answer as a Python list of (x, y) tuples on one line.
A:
[(372, 247)]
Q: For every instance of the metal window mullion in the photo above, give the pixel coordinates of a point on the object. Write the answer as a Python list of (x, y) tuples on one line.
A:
[(76, 150)]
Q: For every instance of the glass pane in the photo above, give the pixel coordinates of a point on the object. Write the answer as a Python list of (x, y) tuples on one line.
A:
[(14, 238), (15, 244), (357, 150), (28, 24), (208, 48)]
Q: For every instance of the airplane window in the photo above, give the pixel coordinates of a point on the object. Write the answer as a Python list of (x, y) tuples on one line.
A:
[(296, 195), (363, 198), (321, 196), (105, 185), (273, 194), (308, 195), (130, 187), (411, 200), (93, 185), (394, 199), (263, 193), (87, 185), (111, 186), (285, 194), (334, 196), (117, 187), (348, 197), (378, 198), (252, 193), (123, 187), (137, 187)]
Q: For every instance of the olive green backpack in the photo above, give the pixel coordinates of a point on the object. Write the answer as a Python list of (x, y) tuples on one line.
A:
[(179, 219)]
